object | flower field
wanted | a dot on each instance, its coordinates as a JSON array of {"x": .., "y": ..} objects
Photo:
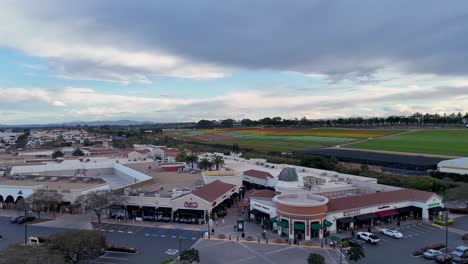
[{"x": 281, "y": 139}]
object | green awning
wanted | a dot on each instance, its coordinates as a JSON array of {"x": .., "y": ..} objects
[
  {"x": 316, "y": 226},
  {"x": 284, "y": 224},
  {"x": 274, "y": 219},
  {"x": 335, "y": 238},
  {"x": 327, "y": 223},
  {"x": 299, "y": 226}
]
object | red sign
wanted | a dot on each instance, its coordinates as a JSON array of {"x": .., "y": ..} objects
[{"x": 191, "y": 204}]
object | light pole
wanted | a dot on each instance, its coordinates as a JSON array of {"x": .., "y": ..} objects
[
  {"x": 25, "y": 227},
  {"x": 446, "y": 223}
]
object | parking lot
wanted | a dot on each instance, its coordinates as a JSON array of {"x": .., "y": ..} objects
[
  {"x": 154, "y": 244},
  {"x": 391, "y": 250}
]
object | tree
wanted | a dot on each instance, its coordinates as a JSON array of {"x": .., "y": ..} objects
[
  {"x": 30, "y": 255},
  {"x": 192, "y": 158},
  {"x": 78, "y": 153},
  {"x": 315, "y": 259},
  {"x": 181, "y": 156},
  {"x": 78, "y": 245},
  {"x": 190, "y": 255},
  {"x": 356, "y": 253},
  {"x": 228, "y": 122},
  {"x": 217, "y": 161},
  {"x": 204, "y": 164},
  {"x": 57, "y": 154},
  {"x": 87, "y": 142},
  {"x": 42, "y": 199},
  {"x": 98, "y": 201},
  {"x": 205, "y": 123}
]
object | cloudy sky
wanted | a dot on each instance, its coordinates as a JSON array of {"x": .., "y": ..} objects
[{"x": 175, "y": 60}]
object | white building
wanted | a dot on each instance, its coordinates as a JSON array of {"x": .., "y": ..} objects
[{"x": 458, "y": 166}]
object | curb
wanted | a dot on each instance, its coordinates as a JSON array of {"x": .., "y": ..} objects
[{"x": 269, "y": 243}]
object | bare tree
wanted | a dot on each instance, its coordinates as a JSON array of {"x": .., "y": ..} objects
[
  {"x": 42, "y": 199},
  {"x": 98, "y": 201},
  {"x": 30, "y": 255}
]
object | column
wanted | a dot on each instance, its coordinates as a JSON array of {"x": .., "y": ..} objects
[
  {"x": 307, "y": 230},
  {"x": 291, "y": 228},
  {"x": 425, "y": 214}
]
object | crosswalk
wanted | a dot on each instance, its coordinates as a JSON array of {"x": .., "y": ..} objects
[{"x": 151, "y": 232}]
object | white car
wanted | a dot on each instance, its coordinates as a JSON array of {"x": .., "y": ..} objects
[
  {"x": 432, "y": 253},
  {"x": 369, "y": 237},
  {"x": 392, "y": 233}
]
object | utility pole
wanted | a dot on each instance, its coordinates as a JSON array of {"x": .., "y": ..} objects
[{"x": 446, "y": 222}]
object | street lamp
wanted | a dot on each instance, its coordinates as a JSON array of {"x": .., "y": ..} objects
[{"x": 25, "y": 227}]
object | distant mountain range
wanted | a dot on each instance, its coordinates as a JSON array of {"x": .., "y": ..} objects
[{"x": 83, "y": 123}]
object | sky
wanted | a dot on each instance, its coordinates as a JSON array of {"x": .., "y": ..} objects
[{"x": 171, "y": 61}]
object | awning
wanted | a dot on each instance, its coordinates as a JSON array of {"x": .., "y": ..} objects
[
  {"x": 245, "y": 202},
  {"x": 408, "y": 209},
  {"x": 164, "y": 209},
  {"x": 386, "y": 213},
  {"x": 365, "y": 217},
  {"x": 255, "y": 212},
  {"x": 327, "y": 223},
  {"x": 190, "y": 212},
  {"x": 299, "y": 226},
  {"x": 274, "y": 219},
  {"x": 345, "y": 220},
  {"x": 436, "y": 209},
  {"x": 148, "y": 208},
  {"x": 316, "y": 226},
  {"x": 284, "y": 224},
  {"x": 133, "y": 207},
  {"x": 335, "y": 238}
]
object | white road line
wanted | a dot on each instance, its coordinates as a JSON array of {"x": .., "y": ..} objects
[{"x": 141, "y": 228}]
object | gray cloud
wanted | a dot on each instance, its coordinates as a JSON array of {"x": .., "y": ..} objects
[{"x": 342, "y": 39}]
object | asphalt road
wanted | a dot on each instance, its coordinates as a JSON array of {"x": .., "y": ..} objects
[
  {"x": 154, "y": 244},
  {"x": 391, "y": 250}
]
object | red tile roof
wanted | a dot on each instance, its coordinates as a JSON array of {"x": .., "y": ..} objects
[
  {"x": 263, "y": 193},
  {"x": 258, "y": 174},
  {"x": 213, "y": 190},
  {"x": 346, "y": 203}
]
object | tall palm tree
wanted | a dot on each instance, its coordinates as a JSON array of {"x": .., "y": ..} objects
[
  {"x": 192, "y": 158},
  {"x": 204, "y": 164},
  {"x": 217, "y": 161}
]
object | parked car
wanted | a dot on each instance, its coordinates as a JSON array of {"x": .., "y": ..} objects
[
  {"x": 432, "y": 253},
  {"x": 369, "y": 237},
  {"x": 392, "y": 233},
  {"x": 26, "y": 219},
  {"x": 460, "y": 255},
  {"x": 15, "y": 219},
  {"x": 353, "y": 242},
  {"x": 444, "y": 258}
]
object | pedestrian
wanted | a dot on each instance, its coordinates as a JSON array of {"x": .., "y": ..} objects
[
  {"x": 334, "y": 245},
  {"x": 222, "y": 221}
]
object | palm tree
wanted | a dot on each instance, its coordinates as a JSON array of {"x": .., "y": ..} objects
[
  {"x": 192, "y": 158},
  {"x": 356, "y": 253},
  {"x": 218, "y": 160},
  {"x": 204, "y": 164}
]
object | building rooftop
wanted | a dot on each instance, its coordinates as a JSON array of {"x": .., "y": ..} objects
[
  {"x": 213, "y": 190},
  {"x": 288, "y": 175},
  {"x": 60, "y": 184},
  {"x": 366, "y": 200},
  {"x": 258, "y": 174},
  {"x": 461, "y": 163}
]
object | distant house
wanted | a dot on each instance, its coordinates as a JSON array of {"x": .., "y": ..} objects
[
  {"x": 138, "y": 154},
  {"x": 165, "y": 153}
]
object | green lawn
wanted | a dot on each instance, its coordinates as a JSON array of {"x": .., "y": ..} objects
[
  {"x": 443, "y": 142},
  {"x": 284, "y": 143}
]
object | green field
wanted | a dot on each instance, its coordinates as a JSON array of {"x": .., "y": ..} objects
[
  {"x": 285, "y": 143},
  {"x": 439, "y": 142}
]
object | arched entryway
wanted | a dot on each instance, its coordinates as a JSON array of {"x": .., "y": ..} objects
[
  {"x": 1, "y": 198},
  {"x": 9, "y": 199},
  {"x": 19, "y": 198}
]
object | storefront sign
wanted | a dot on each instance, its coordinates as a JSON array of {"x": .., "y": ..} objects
[
  {"x": 191, "y": 204},
  {"x": 264, "y": 208},
  {"x": 433, "y": 205},
  {"x": 352, "y": 213}
]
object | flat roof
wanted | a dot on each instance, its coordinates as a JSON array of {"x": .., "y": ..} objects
[
  {"x": 61, "y": 184},
  {"x": 300, "y": 199}
]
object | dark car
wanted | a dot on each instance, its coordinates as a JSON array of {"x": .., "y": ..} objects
[
  {"x": 15, "y": 219},
  {"x": 353, "y": 242},
  {"x": 26, "y": 219}
]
